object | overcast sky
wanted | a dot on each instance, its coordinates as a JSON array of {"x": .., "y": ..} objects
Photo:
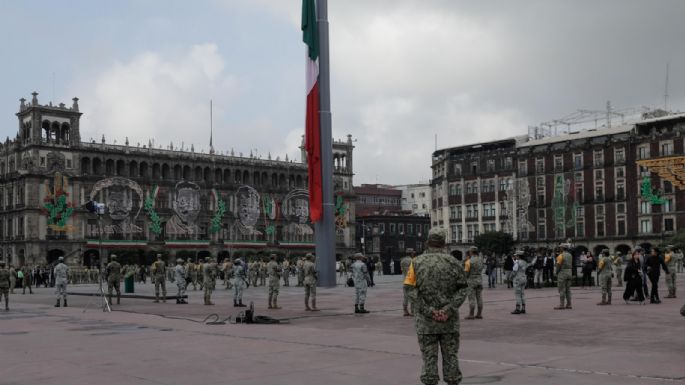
[{"x": 403, "y": 71}]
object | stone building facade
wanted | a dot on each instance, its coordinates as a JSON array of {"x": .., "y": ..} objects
[
  {"x": 166, "y": 200},
  {"x": 584, "y": 185}
]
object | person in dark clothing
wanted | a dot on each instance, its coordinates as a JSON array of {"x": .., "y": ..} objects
[
  {"x": 632, "y": 275},
  {"x": 548, "y": 272},
  {"x": 371, "y": 266},
  {"x": 653, "y": 265},
  {"x": 508, "y": 269},
  {"x": 491, "y": 270},
  {"x": 588, "y": 268}
]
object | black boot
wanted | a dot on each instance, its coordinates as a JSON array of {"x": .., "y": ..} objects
[
  {"x": 356, "y": 309},
  {"x": 65, "y": 302},
  {"x": 362, "y": 310},
  {"x": 517, "y": 311},
  {"x": 240, "y": 304},
  {"x": 57, "y": 304},
  {"x": 523, "y": 309},
  {"x": 235, "y": 303}
]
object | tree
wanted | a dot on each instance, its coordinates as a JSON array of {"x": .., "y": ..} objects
[
  {"x": 677, "y": 240},
  {"x": 496, "y": 242}
]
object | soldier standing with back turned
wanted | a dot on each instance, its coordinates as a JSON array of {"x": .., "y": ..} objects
[
  {"x": 404, "y": 265},
  {"x": 519, "y": 280},
  {"x": 362, "y": 280},
  {"x": 180, "y": 275},
  {"x": 4, "y": 284},
  {"x": 473, "y": 267},
  {"x": 563, "y": 272},
  {"x": 439, "y": 288},
  {"x": 61, "y": 272},
  {"x": 671, "y": 259},
  {"x": 209, "y": 273},
  {"x": 617, "y": 266},
  {"x": 159, "y": 276},
  {"x": 113, "y": 277},
  {"x": 309, "y": 282},
  {"x": 274, "y": 271},
  {"x": 605, "y": 275}
]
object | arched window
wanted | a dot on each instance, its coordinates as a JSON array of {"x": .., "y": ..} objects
[
  {"x": 143, "y": 170},
  {"x": 166, "y": 174},
  {"x": 265, "y": 179},
  {"x": 133, "y": 169},
  {"x": 85, "y": 166},
  {"x": 156, "y": 171},
  {"x": 274, "y": 180},
  {"x": 207, "y": 175},
  {"x": 54, "y": 132},
  {"x": 217, "y": 176},
  {"x": 97, "y": 166},
  {"x": 109, "y": 167},
  {"x": 186, "y": 172},
  {"x": 227, "y": 176},
  {"x": 64, "y": 133},
  {"x": 198, "y": 173},
  {"x": 121, "y": 168},
  {"x": 246, "y": 177},
  {"x": 298, "y": 181},
  {"x": 237, "y": 175},
  {"x": 45, "y": 131},
  {"x": 178, "y": 172},
  {"x": 255, "y": 178}
]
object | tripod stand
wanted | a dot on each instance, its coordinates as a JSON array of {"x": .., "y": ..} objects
[{"x": 105, "y": 303}]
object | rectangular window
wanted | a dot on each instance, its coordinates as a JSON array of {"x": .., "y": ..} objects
[
  {"x": 410, "y": 229},
  {"x": 392, "y": 229},
  {"x": 620, "y": 172},
  {"x": 540, "y": 181},
  {"x": 599, "y": 174},
  {"x": 645, "y": 207},
  {"x": 599, "y": 193},
  {"x": 460, "y": 234},
  {"x": 474, "y": 168},
  {"x": 558, "y": 163},
  {"x": 469, "y": 211},
  {"x": 507, "y": 163},
  {"x": 668, "y": 187},
  {"x": 457, "y": 189},
  {"x": 578, "y": 161},
  {"x": 541, "y": 213},
  {"x": 668, "y": 205},
  {"x": 643, "y": 152},
  {"x": 541, "y": 198},
  {"x": 645, "y": 226},
  {"x": 598, "y": 158},
  {"x": 599, "y": 225},
  {"x": 580, "y": 229},
  {"x": 541, "y": 230},
  {"x": 578, "y": 176},
  {"x": 599, "y": 210},
  {"x": 579, "y": 192},
  {"x": 619, "y": 155},
  {"x": 620, "y": 191},
  {"x": 475, "y": 211},
  {"x": 620, "y": 208},
  {"x": 580, "y": 211},
  {"x": 491, "y": 165},
  {"x": 540, "y": 166},
  {"x": 400, "y": 228},
  {"x": 523, "y": 168},
  {"x": 621, "y": 226},
  {"x": 381, "y": 228},
  {"x": 666, "y": 148},
  {"x": 457, "y": 169},
  {"x": 669, "y": 224}
]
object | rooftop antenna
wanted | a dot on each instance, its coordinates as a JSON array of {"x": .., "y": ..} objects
[{"x": 666, "y": 89}]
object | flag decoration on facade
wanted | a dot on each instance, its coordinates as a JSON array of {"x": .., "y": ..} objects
[{"x": 310, "y": 36}]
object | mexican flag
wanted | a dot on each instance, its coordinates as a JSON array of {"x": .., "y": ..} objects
[{"x": 312, "y": 143}]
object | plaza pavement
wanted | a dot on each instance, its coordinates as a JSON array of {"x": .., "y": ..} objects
[{"x": 141, "y": 342}]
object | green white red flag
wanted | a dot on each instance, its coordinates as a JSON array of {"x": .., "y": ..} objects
[{"x": 312, "y": 143}]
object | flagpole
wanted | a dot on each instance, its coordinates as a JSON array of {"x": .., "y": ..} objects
[{"x": 324, "y": 230}]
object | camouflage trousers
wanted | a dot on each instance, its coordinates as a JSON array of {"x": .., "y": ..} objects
[
  {"x": 181, "y": 290},
  {"x": 273, "y": 290},
  {"x": 160, "y": 281},
  {"x": 475, "y": 295},
  {"x": 619, "y": 277},
  {"x": 449, "y": 347},
  {"x": 670, "y": 282},
  {"x": 4, "y": 292},
  {"x": 564, "y": 284},
  {"x": 309, "y": 291},
  {"x": 605, "y": 284},
  {"x": 519, "y": 287},
  {"x": 238, "y": 287},
  {"x": 61, "y": 290},
  {"x": 360, "y": 294},
  {"x": 406, "y": 302}
]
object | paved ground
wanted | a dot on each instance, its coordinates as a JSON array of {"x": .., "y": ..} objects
[{"x": 146, "y": 343}]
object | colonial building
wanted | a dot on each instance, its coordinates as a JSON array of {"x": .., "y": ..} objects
[
  {"x": 377, "y": 199},
  {"x": 416, "y": 198},
  {"x": 586, "y": 185},
  {"x": 156, "y": 199}
]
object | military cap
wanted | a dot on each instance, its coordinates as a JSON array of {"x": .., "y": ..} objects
[
  {"x": 409, "y": 250},
  {"x": 437, "y": 235},
  {"x": 473, "y": 248},
  {"x": 60, "y": 259},
  {"x": 669, "y": 247},
  {"x": 273, "y": 256},
  {"x": 159, "y": 256},
  {"x": 605, "y": 251},
  {"x": 179, "y": 260},
  {"x": 358, "y": 256},
  {"x": 618, "y": 252},
  {"x": 309, "y": 256},
  {"x": 113, "y": 257},
  {"x": 519, "y": 253},
  {"x": 565, "y": 245}
]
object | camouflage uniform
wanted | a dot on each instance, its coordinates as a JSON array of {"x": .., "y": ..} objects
[
  {"x": 13, "y": 279},
  {"x": 5, "y": 284},
  {"x": 473, "y": 267},
  {"x": 239, "y": 283},
  {"x": 404, "y": 265},
  {"x": 192, "y": 270},
  {"x": 113, "y": 272},
  {"x": 563, "y": 271},
  {"x": 274, "y": 271},
  {"x": 159, "y": 276},
  {"x": 228, "y": 269},
  {"x": 671, "y": 259},
  {"x": 26, "y": 281},
  {"x": 519, "y": 280},
  {"x": 617, "y": 262},
  {"x": 286, "y": 273},
  {"x": 209, "y": 279},
  {"x": 61, "y": 272},
  {"x": 253, "y": 273},
  {"x": 309, "y": 282},
  {"x": 262, "y": 273},
  {"x": 300, "y": 273},
  {"x": 180, "y": 274},
  {"x": 440, "y": 288},
  {"x": 360, "y": 275},
  {"x": 604, "y": 273}
]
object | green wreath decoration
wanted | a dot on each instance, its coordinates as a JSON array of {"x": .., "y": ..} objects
[
  {"x": 218, "y": 216},
  {"x": 155, "y": 221}
]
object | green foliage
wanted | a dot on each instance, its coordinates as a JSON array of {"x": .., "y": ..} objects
[
  {"x": 218, "y": 216},
  {"x": 649, "y": 194},
  {"x": 496, "y": 242},
  {"x": 155, "y": 221},
  {"x": 59, "y": 210}
]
